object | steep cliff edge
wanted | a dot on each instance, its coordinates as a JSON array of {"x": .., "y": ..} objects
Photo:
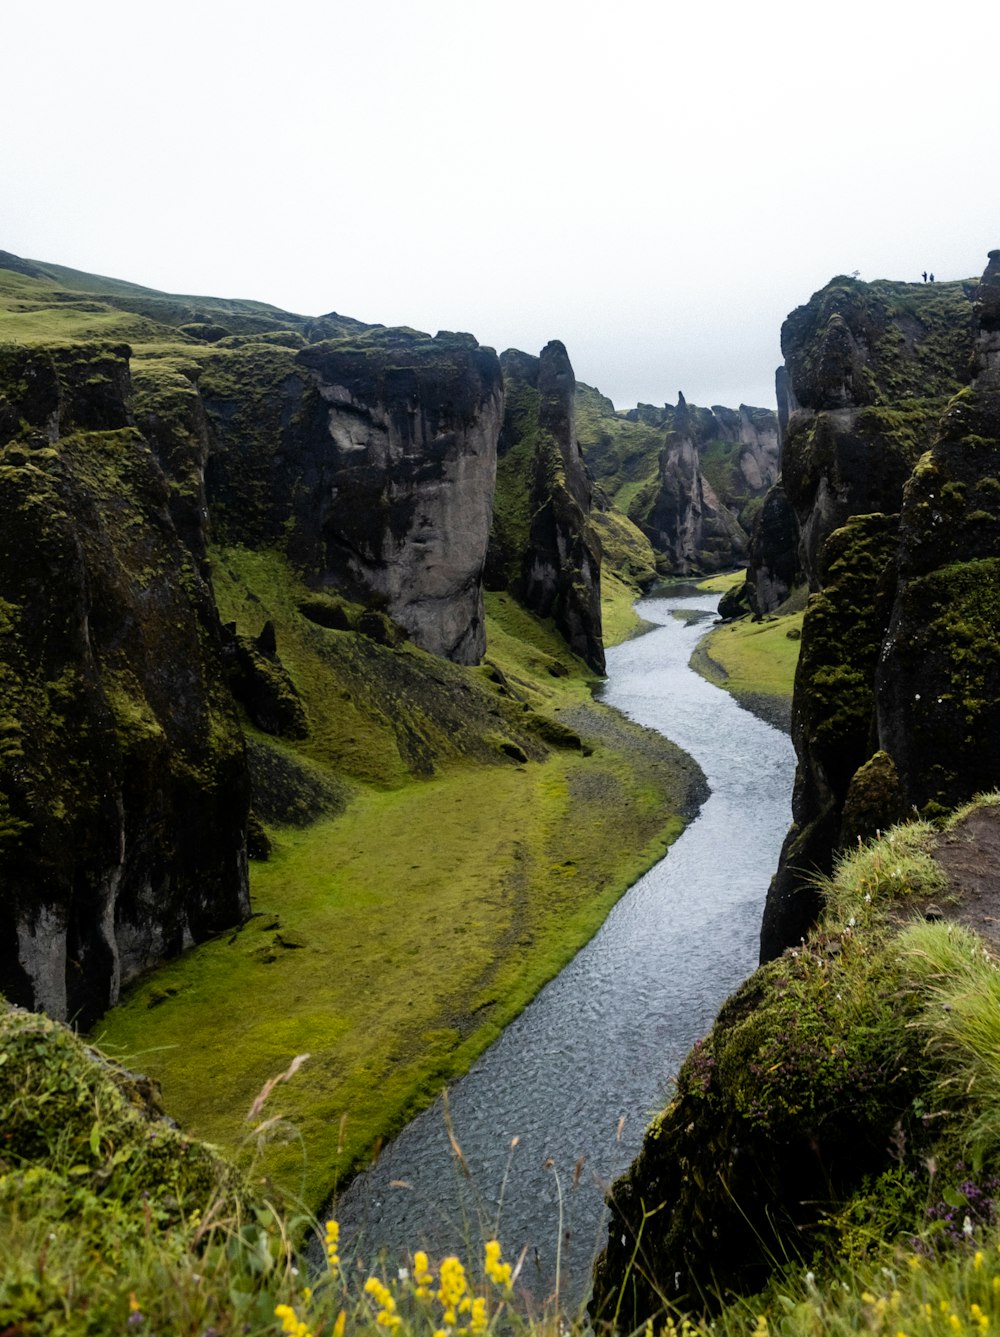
[
  {"x": 372, "y": 460},
  {"x": 544, "y": 545},
  {"x": 124, "y": 782},
  {"x": 893, "y": 705}
]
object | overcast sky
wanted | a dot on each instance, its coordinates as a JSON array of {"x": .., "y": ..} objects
[{"x": 657, "y": 185}]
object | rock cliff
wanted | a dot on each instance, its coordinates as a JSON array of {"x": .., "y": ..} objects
[
  {"x": 124, "y": 789},
  {"x": 545, "y": 546},
  {"x": 692, "y": 479},
  {"x": 891, "y": 473},
  {"x": 373, "y": 461}
]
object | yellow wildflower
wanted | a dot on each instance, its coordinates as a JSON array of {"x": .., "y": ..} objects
[
  {"x": 341, "y": 1323},
  {"x": 977, "y": 1262},
  {"x": 422, "y": 1275},
  {"x": 452, "y": 1287},
  {"x": 383, "y": 1297},
  {"x": 761, "y": 1328},
  {"x": 291, "y": 1324},
  {"x": 331, "y": 1243},
  {"x": 477, "y": 1323},
  {"x": 498, "y": 1273}
]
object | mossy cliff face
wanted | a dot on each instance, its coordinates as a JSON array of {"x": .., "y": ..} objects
[
  {"x": 373, "y": 460},
  {"x": 868, "y": 370},
  {"x": 833, "y": 713},
  {"x": 938, "y": 683},
  {"x": 544, "y": 546},
  {"x": 899, "y": 649},
  {"x": 123, "y": 789},
  {"x": 684, "y": 517},
  {"x": 773, "y": 555},
  {"x": 690, "y": 478}
]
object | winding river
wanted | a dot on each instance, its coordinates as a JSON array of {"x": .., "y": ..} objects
[{"x": 556, "y": 1108}]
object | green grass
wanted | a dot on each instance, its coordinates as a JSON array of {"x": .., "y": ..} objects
[
  {"x": 619, "y": 619},
  {"x": 728, "y": 580},
  {"x": 757, "y": 656}
]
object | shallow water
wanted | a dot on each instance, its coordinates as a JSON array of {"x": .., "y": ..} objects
[{"x": 576, "y": 1077}]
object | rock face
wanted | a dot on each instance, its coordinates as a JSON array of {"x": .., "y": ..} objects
[
  {"x": 868, "y": 370},
  {"x": 544, "y": 545},
  {"x": 895, "y": 696},
  {"x": 123, "y": 787},
  {"x": 701, "y": 475},
  {"x": 374, "y": 460},
  {"x": 685, "y": 519},
  {"x": 773, "y": 557}
]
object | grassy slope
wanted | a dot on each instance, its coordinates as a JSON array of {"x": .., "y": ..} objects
[{"x": 753, "y": 660}]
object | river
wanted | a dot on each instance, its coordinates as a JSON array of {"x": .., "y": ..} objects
[{"x": 556, "y": 1108}]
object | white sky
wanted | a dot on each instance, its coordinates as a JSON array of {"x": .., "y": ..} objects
[{"x": 657, "y": 185}]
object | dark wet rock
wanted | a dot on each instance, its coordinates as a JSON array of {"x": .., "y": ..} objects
[
  {"x": 896, "y": 694},
  {"x": 773, "y": 568},
  {"x": 123, "y": 782},
  {"x": 544, "y": 546}
]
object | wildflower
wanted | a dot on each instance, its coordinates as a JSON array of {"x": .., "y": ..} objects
[
  {"x": 422, "y": 1275},
  {"x": 331, "y": 1244},
  {"x": 498, "y": 1273},
  {"x": 451, "y": 1291},
  {"x": 761, "y": 1328},
  {"x": 977, "y": 1261},
  {"x": 386, "y": 1317},
  {"x": 291, "y": 1324},
  {"x": 477, "y": 1319},
  {"x": 341, "y": 1323}
]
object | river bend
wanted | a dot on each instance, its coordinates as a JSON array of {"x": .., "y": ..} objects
[{"x": 576, "y": 1077}]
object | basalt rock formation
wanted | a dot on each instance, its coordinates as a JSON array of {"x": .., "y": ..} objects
[
  {"x": 124, "y": 790},
  {"x": 893, "y": 476},
  {"x": 692, "y": 479},
  {"x": 544, "y": 545},
  {"x": 373, "y": 459}
]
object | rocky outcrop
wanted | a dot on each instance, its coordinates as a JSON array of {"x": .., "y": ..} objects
[
  {"x": 895, "y": 700},
  {"x": 373, "y": 461},
  {"x": 833, "y": 714},
  {"x": 869, "y": 368},
  {"x": 544, "y": 545},
  {"x": 773, "y": 568},
  {"x": 701, "y": 474},
  {"x": 938, "y": 681},
  {"x": 123, "y": 783},
  {"x": 685, "y": 519}
]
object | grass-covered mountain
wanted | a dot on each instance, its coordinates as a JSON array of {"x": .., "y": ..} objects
[{"x": 257, "y": 696}]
